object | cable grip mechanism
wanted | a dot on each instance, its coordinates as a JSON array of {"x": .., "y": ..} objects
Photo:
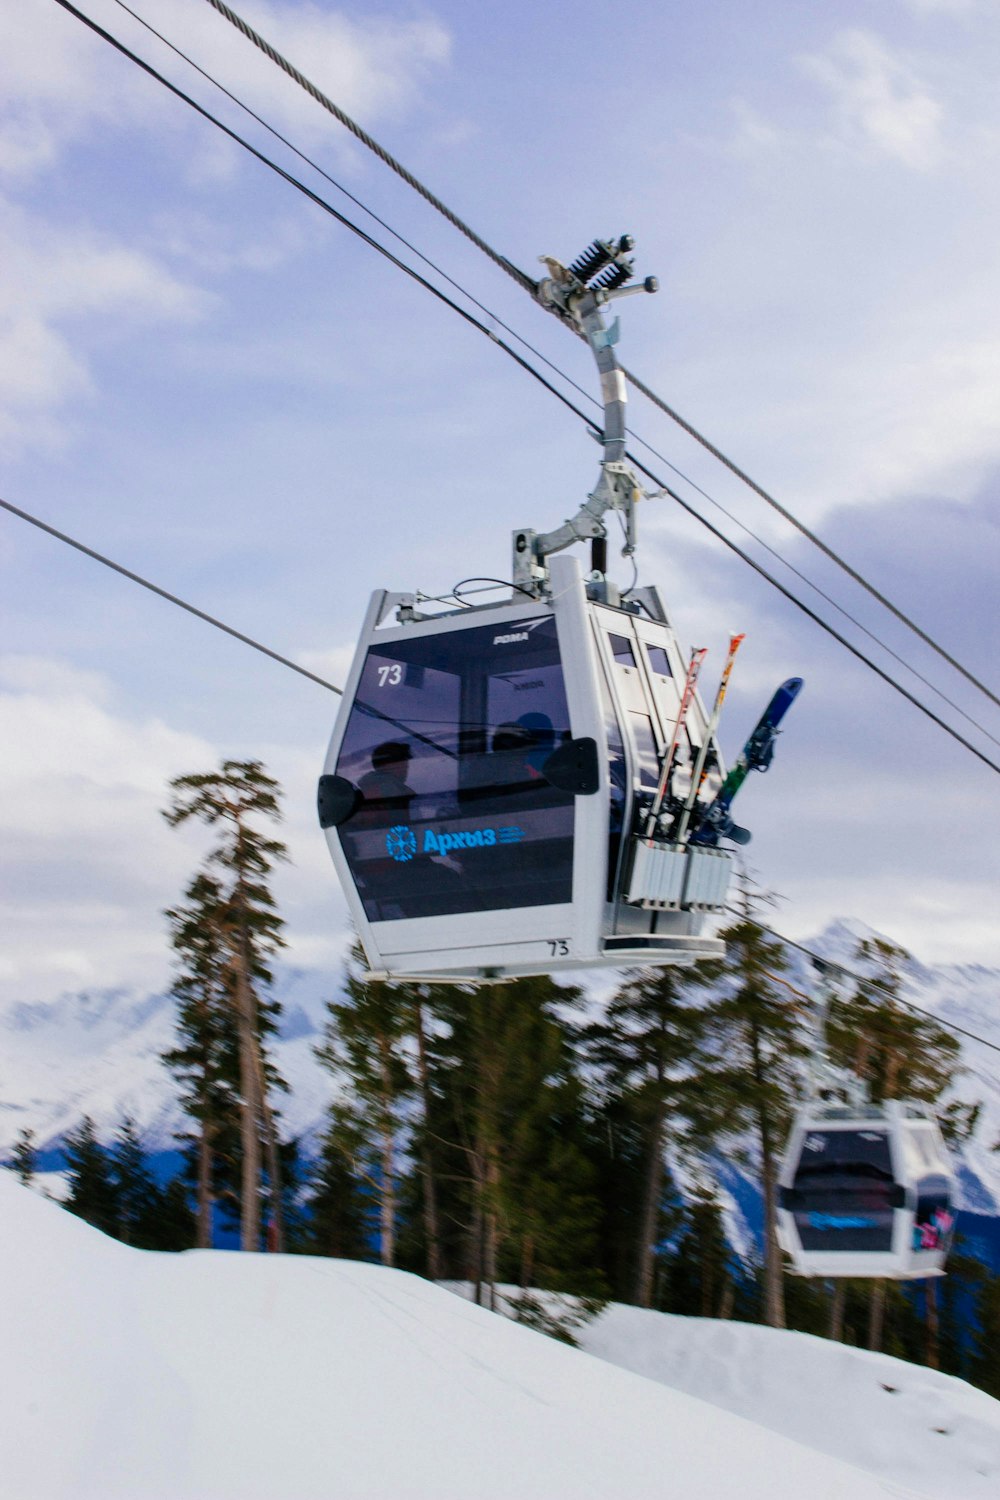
[{"x": 577, "y": 294}]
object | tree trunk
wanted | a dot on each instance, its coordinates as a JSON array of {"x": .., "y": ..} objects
[
  {"x": 650, "y": 1213},
  {"x": 387, "y": 1193},
  {"x": 476, "y": 1246},
  {"x": 836, "y": 1330},
  {"x": 876, "y": 1316},
  {"x": 203, "y": 1223},
  {"x": 250, "y": 1111},
  {"x": 774, "y": 1290},
  {"x": 276, "y": 1227},
  {"x": 387, "y": 1203},
  {"x": 491, "y": 1230},
  {"x": 727, "y": 1299},
  {"x": 432, "y": 1231},
  {"x": 527, "y": 1261},
  {"x": 932, "y": 1347}
]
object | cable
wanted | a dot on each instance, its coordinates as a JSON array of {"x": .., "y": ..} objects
[
  {"x": 817, "y": 619},
  {"x": 873, "y": 984},
  {"x": 324, "y": 205},
  {"x": 833, "y": 603},
  {"x": 498, "y": 583},
  {"x": 809, "y": 535},
  {"x": 440, "y": 271},
  {"x": 522, "y": 280},
  {"x": 474, "y": 322},
  {"x": 527, "y": 284},
  {"x": 154, "y": 588}
]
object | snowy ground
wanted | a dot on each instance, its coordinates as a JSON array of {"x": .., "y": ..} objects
[
  {"x": 930, "y": 1432},
  {"x": 126, "y": 1375}
]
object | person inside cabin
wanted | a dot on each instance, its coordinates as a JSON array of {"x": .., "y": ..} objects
[
  {"x": 541, "y": 743},
  {"x": 385, "y": 787}
]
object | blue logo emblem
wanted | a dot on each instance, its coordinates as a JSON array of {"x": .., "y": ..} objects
[{"x": 401, "y": 843}]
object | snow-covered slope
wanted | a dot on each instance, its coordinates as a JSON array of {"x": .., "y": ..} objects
[
  {"x": 905, "y": 1422},
  {"x": 126, "y": 1375}
]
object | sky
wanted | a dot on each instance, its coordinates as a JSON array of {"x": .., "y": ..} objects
[{"x": 205, "y": 377}]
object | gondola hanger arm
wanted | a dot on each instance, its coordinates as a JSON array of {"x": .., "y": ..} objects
[{"x": 578, "y": 294}]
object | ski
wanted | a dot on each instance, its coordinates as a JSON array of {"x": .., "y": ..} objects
[
  {"x": 698, "y": 655},
  {"x": 700, "y": 769},
  {"x": 758, "y": 752}
]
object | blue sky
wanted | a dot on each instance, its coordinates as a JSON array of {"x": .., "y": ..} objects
[{"x": 206, "y": 378}]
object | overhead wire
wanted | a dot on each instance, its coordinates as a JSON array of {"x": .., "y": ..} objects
[
  {"x": 874, "y": 984},
  {"x": 154, "y": 588},
  {"x": 538, "y": 354},
  {"x": 522, "y": 362},
  {"x": 528, "y": 284},
  {"x": 322, "y": 682},
  {"x": 285, "y": 661}
]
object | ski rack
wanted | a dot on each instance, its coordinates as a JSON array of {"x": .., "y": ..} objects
[{"x": 578, "y": 294}]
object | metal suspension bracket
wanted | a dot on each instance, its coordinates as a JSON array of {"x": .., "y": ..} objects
[
  {"x": 578, "y": 294},
  {"x": 827, "y": 1082}
]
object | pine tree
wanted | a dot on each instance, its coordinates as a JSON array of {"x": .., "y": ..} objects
[
  {"x": 696, "y": 1273},
  {"x": 518, "y": 1197},
  {"x": 206, "y": 1058},
  {"x": 366, "y": 1043},
  {"x": 762, "y": 1038},
  {"x": 137, "y": 1196},
  {"x": 898, "y": 1053},
  {"x": 231, "y": 799},
  {"x": 23, "y": 1158},
  {"x": 651, "y": 1056},
  {"x": 338, "y": 1221},
  {"x": 93, "y": 1192}
]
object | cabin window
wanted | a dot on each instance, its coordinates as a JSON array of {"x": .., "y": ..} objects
[
  {"x": 446, "y": 744},
  {"x": 621, "y": 650},
  {"x": 659, "y": 660},
  {"x": 843, "y": 1193}
]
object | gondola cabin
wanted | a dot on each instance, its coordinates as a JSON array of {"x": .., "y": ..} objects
[
  {"x": 486, "y": 782},
  {"x": 866, "y": 1192}
]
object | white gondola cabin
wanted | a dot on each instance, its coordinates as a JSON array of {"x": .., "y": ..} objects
[
  {"x": 487, "y": 778},
  {"x": 866, "y": 1191},
  {"x": 518, "y": 788}
]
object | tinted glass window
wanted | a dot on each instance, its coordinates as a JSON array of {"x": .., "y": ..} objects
[
  {"x": 621, "y": 650},
  {"x": 844, "y": 1192},
  {"x": 446, "y": 744},
  {"x": 659, "y": 660},
  {"x": 647, "y": 760}
]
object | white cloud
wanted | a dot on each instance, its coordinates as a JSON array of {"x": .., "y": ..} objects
[
  {"x": 62, "y": 88},
  {"x": 59, "y": 82},
  {"x": 940, "y": 7},
  {"x": 878, "y": 100},
  {"x": 56, "y": 277},
  {"x": 88, "y": 861}
]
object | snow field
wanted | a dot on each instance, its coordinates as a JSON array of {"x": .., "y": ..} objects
[{"x": 127, "y": 1375}]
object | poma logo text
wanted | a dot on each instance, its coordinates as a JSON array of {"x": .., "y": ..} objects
[{"x": 506, "y": 640}]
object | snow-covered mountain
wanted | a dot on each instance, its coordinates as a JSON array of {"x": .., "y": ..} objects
[
  {"x": 211, "y": 1376},
  {"x": 98, "y": 1053}
]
